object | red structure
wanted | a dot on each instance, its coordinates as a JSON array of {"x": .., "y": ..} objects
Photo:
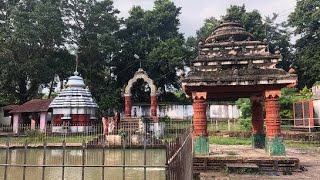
[
  {"x": 304, "y": 115},
  {"x": 128, "y": 106},
  {"x": 272, "y": 113},
  {"x": 153, "y": 107},
  {"x": 200, "y": 115},
  {"x": 231, "y": 64}
]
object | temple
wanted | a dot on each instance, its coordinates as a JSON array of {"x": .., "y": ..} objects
[
  {"x": 74, "y": 107},
  {"x": 230, "y": 64}
]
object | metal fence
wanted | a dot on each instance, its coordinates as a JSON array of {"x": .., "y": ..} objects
[
  {"x": 132, "y": 133},
  {"x": 132, "y": 150},
  {"x": 102, "y": 169},
  {"x": 180, "y": 157}
]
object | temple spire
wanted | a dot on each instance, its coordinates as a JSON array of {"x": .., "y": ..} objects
[{"x": 77, "y": 61}]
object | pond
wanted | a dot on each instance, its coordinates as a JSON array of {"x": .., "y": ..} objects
[{"x": 92, "y": 157}]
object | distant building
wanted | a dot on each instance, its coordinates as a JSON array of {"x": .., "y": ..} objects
[
  {"x": 5, "y": 116},
  {"x": 33, "y": 112}
]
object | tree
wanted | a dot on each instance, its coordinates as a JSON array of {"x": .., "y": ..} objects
[
  {"x": 210, "y": 24},
  {"x": 93, "y": 25},
  {"x": 305, "y": 21},
  {"x": 154, "y": 36},
  {"x": 30, "y": 32}
]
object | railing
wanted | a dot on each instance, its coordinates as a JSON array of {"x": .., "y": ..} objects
[
  {"x": 132, "y": 133},
  {"x": 59, "y": 166},
  {"x": 112, "y": 155},
  {"x": 180, "y": 157}
]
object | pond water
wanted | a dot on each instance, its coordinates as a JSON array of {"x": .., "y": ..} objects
[{"x": 92, "y": 157}]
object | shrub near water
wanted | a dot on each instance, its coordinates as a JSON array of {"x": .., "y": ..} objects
[{"x": 34, "y": 135}]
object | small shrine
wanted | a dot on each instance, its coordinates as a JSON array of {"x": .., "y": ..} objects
[
  {"x": 73, "y": 108},
  {"x": 231, "y": 64},
  {"x": 156, "y": 127},
  {"x": 141, "y": 74}
]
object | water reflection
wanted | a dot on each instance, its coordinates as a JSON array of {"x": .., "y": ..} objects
[{"x": 92, "y": 157}]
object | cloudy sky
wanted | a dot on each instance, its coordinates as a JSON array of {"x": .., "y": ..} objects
[{"x": 194, "y": 12}]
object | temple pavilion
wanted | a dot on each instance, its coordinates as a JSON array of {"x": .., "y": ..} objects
[
  {"x": 231, "y": 64},
  {"x": 73, "y": 108}
]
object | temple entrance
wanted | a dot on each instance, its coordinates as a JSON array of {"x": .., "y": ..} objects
[
  {"x": 232, "y": 65},
  {"x": 141, "y": 74}
]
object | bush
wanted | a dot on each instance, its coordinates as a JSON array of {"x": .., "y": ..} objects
[
  {"x": 34, "y": 135},
  {"x": 245, "y": 124}
]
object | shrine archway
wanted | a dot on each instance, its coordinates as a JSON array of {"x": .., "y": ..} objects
[{"x": 141, "y": 74}]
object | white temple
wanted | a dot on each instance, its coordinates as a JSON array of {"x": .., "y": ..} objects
[{"x": 74, "y": 107}]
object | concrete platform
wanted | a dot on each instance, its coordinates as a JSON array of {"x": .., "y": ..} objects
[{"x": 222, "y": 155}]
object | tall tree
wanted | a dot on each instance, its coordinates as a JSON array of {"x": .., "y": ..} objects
[
  {"x": 31, "y": 30},
  {"x": 305, "y": 21},
  {"x": 93, "y": 25},
  {"x": 154, "y": 36}
]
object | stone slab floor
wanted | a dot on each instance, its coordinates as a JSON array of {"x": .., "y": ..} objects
[{"x": 309, "y": 159}]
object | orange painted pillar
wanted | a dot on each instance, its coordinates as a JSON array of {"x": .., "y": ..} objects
[
  {"x": 272, "y": 113},
  {"x": 200, "y": 133},
  {"x": 258, "y": 136},
  {"x": 153, "y": 108},
  {"x": 274, "y": 144},
  {"x": 128, "y": 105},
  {"x": 200, "y": 117}
]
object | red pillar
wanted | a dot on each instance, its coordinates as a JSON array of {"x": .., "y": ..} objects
[
  {"x": 258, "y": 136},
  {"x": 272, "y": 113},
  {"x": 128, "y": 106},
  {"x": 274, "y": 141},
  {"x": 257, "y": 115},
  {"x": 199, "y": 115},
  {"x": 153, "y": 108}
]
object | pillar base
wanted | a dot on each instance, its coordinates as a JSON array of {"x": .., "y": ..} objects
[
  {"x": 275, "y": 146},
  {"x": 201, "y": 146},
  {"x": 258, "y": 141}
]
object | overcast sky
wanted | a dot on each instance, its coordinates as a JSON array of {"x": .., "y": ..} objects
[{"x": 194, "y": 12}]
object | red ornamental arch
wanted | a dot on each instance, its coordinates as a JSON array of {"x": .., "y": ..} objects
[{"x": 141, "y": 74}]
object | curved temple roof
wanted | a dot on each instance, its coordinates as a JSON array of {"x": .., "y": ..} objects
[
  {"x": 229, "y": 31},
  {"x": 229, "y": 60},
  {"x": 75, "y": 95}
]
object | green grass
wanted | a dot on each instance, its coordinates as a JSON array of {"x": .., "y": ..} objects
[
  {"x": 48, "y": 139},
  {"x": 302, "y": 145},
  {"x": 229, "y": 140},
  {"x": 247, "y": 141}
]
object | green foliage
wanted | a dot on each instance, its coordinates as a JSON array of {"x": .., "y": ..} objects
[
  {"x": 305, "y": 21},
  {"x": 32, "y": 30},
  {"x": 93, "y": 25},
  {"x": 305, "y": 93},
  {"x": 153, "y": 35},
  {"x": 34, "y": 135},
  {"x": 210, "y": 24},
  {"x": 244, "y": 105},
  {"x": 288, "y": 97},
  {"x": 229, "y": 140},
  {"x": 245, "y": 124}
]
